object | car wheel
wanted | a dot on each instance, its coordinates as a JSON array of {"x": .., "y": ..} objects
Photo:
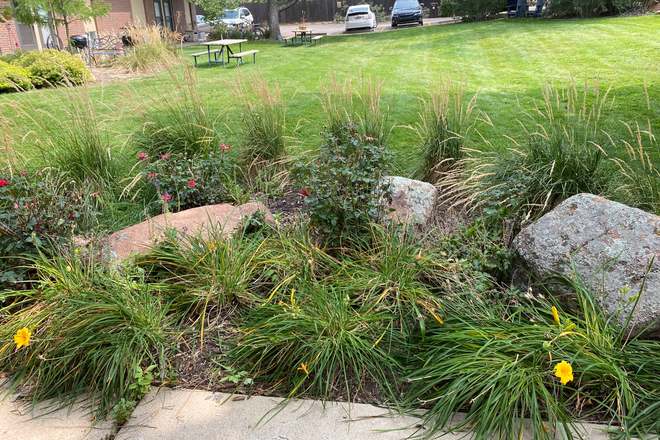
[
  {"x": 421, "y": 23},
  {"x": 393, "y": 24},
  {"x": 375, "y": 23}
]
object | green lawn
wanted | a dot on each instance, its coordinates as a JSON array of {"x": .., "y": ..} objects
[{"x": 507, "y": 60}]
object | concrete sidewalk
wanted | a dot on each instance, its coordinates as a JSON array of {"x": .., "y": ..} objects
[{"x": 182, "y": 414}]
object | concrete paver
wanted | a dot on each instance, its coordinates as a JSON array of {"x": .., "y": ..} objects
[
  {"x": 200, "y": 415},
  {"x": 17, "y": 422}
]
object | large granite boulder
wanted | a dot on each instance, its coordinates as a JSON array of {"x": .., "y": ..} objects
[
  {"x": 594, "y": 230},
  {"x": 412, "y": 201},
  {"x": 227, "y": 218}
]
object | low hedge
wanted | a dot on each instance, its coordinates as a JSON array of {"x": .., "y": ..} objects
[
  {"x": 13, "y": 78},
  {"x": 51, "y": 67}
]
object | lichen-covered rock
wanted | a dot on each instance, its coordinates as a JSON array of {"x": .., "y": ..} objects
[
  {"x": 412, "y": 201},
  {"x": 595, "y": 230},
  {"x": 226, "y": 218}
]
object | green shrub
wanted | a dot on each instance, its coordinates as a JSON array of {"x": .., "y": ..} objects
[
  {"x": 10, "y": 58},
  {"x": 472, "y": 10},
  {"x": 342, "y": 187},
  {"x": 188, "y": 181},
  {"x": 217, "y": 34},
  {"x": 594, "y": 8},
  {"x": 41, "y": 209},
  {"x": 51, "y": 67},
  {"x": 13, "y": 78}
]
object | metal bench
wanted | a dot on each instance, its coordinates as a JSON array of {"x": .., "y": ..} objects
[
  {"x": 240, "y": 55},
  {"x": 288, "y": 39},
  {"x": 317, "y": 38},
  {"x": 108, "y": 45},
  {"x": 199, "y": 54}
]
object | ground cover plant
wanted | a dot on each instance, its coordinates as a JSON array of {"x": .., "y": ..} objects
[{"x": 332, "y": 303}]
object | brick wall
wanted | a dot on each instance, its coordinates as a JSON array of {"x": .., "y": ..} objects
[
  {"x": 7, "y": 43},
  {"x": 178, "y": 14},
  {"x": 121, "y": 15},
  {"x": 75, "y": 28}
]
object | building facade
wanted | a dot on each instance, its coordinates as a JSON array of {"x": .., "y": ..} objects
[{"x": 176, "y": 15}]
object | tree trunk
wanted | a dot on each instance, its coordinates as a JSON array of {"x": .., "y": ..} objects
[{"x": 274, "y": 9}]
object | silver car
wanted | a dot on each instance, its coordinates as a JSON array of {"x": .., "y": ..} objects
[{"x": 234, "y": 18}]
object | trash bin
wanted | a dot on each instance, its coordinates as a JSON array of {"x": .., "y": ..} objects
[
  {"x": 192, "y": 36},
  {"x": 434, "y": 10}
]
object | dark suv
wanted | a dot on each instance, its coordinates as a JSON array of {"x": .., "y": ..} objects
[{"x": 407, "y": 11}]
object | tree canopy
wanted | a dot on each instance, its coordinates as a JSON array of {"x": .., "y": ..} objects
[{"x": 59, "y": 12}]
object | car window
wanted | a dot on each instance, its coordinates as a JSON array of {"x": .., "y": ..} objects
[
  {"x": 231, "y": 14},
  {"x": 355, "y": 9},
  {"x": 406, "y": 4}
]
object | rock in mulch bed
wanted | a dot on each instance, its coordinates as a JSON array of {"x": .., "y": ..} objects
[
  {"x": 592, "y": 231},
  {"x": 227, "y": 218}
]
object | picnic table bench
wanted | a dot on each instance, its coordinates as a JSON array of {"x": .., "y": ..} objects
[
  {"x": 317, "y": 39},
  {"x": 217, "y": 53},
  {"x": 288, "y": 40},
  {"x": 240, "y": 55}
]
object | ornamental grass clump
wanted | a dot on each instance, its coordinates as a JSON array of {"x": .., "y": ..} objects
[
  {"x": 153, "y": 49},
  {"x": 317, "y": 340},
  {"x": 348, "y": 103},
  {"x": 179, "y": 120},
  {"x": 70, "y": 133},
  {"x": 446, "y": 121},
  {"x": 211, "y": 268},
  {"x": 639, "y": 173},
  {"x": 262, "y": 123},
  {"x": 535, "y": 359},
  {"x": 562, "y": 153},
  {"x": 89, "y": 333}
]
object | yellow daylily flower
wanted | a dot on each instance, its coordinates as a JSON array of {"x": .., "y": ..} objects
[
  {"x": 22, "y": 338},
  {"x": 564, "y": 372}
]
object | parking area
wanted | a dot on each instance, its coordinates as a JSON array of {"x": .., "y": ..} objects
[{"x": 338, "y": 28}]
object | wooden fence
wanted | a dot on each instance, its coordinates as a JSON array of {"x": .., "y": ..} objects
[{"x": 315, "y": 10}]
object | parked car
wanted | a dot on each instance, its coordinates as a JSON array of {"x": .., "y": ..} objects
[
  {"x": 234, "y": 18},
  {"x": 407, "y": 11},
  {"x": 360, "y": 17},
  {"x": 202, "y": 25}
]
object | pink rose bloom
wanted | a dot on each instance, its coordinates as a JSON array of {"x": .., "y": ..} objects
[
  {"x": 166, "y": 197},
  {"x": 164, "y": 156},
  {"x": 191, "y": 183},
  {"x": 152, "y": 175},
  {"x": 23, "y": 173},
  {"x": 143, "y": 156}
]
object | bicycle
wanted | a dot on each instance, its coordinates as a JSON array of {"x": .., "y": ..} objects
[
  {"x": 256, "y": 29},
  {"x": 53, "y": 41}
]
